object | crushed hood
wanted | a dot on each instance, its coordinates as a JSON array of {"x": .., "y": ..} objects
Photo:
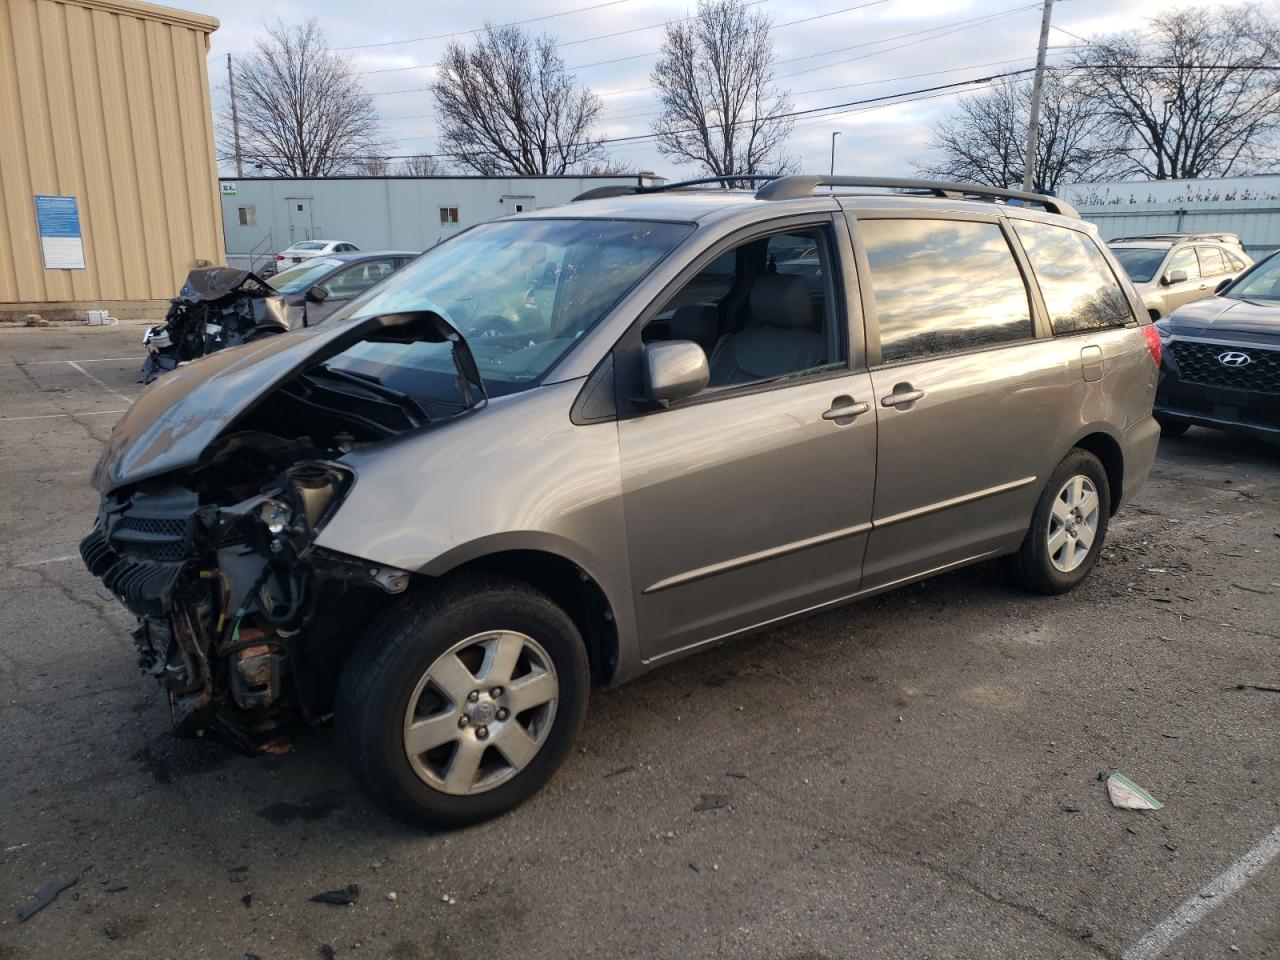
[
  {"x": 1216, "y": 316},
  {"x": 176, "y": 418}
]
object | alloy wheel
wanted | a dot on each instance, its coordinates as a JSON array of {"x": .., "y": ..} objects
[{"x": 1073, "y": 523}]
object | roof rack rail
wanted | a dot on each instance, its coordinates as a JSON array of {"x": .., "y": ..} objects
[
  {"x": 627, "y": 190},
  {"x": 1211, "y": 235},
  {"x": 793, "y": 188}
]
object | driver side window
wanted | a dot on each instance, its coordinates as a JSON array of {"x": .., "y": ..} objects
[
  {"x": 764, "y": 310},
  {"x": 1184, "y": 259}
]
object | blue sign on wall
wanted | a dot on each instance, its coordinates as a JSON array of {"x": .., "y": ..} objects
[{"x": 58, "y": 222}]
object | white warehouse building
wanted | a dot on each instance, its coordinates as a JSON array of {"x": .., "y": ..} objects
[{"x": 263, "y": 215}]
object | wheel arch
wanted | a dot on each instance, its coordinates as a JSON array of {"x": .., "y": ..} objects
[
  {"x": 570, "y": 586},
  {"x": 1106, "y": 448}
]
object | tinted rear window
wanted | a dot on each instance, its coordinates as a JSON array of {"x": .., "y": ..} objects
[
  {"x": 942, "y": 286},
  {"x": 1079, "y": 289}
]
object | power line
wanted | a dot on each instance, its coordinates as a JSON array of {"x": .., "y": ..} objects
[{"x": 464, "y": 33}]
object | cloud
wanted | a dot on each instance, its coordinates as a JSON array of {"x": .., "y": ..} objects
[{"x": 883, "y": 140}]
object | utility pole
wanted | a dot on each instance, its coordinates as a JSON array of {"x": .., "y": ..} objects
[
  {"x": 834, "y": 134},
  {"x": 1033, "y": 129},
  {"x": 235, "y": 117}
]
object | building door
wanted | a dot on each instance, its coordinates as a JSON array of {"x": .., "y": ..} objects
[{"x": 300, "y": 223}]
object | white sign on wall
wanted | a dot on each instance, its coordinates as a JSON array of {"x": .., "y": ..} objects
[{"x": 58, "y": 223}]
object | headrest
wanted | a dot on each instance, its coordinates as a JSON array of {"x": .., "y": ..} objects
[
  {"x": 781, "y": 300},
  {"x": 697, "y": 322}
]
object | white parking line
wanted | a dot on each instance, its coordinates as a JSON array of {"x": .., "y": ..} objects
[
  {"x": 32, "y": 363},
  {"x": 109, "y": 390},
  {"x": 1192, "y": 910},
  {"x": 41, "y": 563},
  {"x": 54, "y": 416}
]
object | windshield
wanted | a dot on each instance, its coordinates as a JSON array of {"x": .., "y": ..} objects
[
  {"x": 303, "y": 275},
  {"x": 521, "y": 292},
  {"x": 1140, "y": 263},
  {"x": 310, "y": 245},
  {"x": 1262, "y": 283}
]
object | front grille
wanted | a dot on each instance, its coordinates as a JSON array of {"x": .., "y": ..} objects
[
  {"x": 155, "y": 538},
  {"x": 1199, "y": 363}
]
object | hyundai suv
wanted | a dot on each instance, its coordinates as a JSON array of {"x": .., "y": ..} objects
[
  {"x": 737, "y": 407},
  {"x": 1221, "y": 364},
  {"x": 1171, "y": 269}
]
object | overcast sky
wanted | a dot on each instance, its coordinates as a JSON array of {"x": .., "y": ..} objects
[{"x": 835, "y": 56}]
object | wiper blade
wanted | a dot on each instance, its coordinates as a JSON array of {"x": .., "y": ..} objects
[{"x": 407, "y": 401}]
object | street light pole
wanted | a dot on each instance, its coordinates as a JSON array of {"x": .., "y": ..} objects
[
  {"x": 834, "y": 134},
  {"x": 1033, "y": 128}
]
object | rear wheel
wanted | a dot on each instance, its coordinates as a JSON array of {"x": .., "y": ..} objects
[
  {"x": 1172, "y": 426},
  {"x": 462, "y": 702},
  {"x": 1067, "y": 528}
]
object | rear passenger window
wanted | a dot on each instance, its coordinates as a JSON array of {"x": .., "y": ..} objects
[
  {"x": 1211, "y": 262},
  {"x": 943, "y": 286},
  {"x": 1079, "y": 289}
]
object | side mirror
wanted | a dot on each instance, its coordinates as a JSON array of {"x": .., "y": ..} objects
[
  {"x": 673, "y": 370},
  {"x": 1223, "y": 285},
  {"x": 317, "y": 294},
  {"x": 1177, "y": 275}
]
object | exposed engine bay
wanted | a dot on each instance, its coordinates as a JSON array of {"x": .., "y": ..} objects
[
  {"x": 218, "y": 307},
  {"x": 242, "y": 619}
]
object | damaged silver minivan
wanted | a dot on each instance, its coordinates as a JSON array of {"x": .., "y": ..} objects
[{"x": 565, "y": 447}]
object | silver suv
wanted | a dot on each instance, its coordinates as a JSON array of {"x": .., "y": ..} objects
[
  {"x": 449, "y": 509},
  {"x": 1170, "y": 269}
]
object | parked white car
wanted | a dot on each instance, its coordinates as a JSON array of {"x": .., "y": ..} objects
[{"x": 306, "y": 249}]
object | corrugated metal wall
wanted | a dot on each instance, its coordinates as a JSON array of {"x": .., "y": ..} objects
[{"x": 106, "y": 100}]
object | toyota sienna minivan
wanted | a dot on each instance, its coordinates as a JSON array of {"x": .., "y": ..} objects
[{"x": 446, "y": 512}]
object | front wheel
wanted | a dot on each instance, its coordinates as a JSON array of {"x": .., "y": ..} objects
[
  {"x": 1067, "y": 528},
  {"x": 462, "y": 702}
]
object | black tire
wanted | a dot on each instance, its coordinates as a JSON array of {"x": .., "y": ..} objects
[
  {"x": 1172, "y": 426},
  {"x": 381, "y": 674},
  {"x": 1032, "y": 567}
]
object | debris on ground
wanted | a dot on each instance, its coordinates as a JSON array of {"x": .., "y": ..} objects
[
  {"x": 327, "y": 952},
  {"x": 1127, "y": 795},
  {"x": 446, "y": 898},
  {"x": 247, "y": 900},
  {"x": 45, "y": 896},
  {"x": 711, "y": 801},
  {"x": 1260, "y": 687},
  {"x": 345, "y": 897},
  {"x": 392, "y": 896}
]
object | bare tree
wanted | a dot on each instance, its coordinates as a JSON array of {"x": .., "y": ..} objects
[
  {"x": 985, "y": 141},
  {"x": 508, "y": 105},
  {"x": 303, "y": 113},
  {"x": 1198, "y": 95},
  {"x": 423, "y": 165},
  {"x": 720, "y": 106}
]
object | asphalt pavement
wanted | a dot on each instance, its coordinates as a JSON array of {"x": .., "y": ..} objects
[{"x": 914, "y": 776}]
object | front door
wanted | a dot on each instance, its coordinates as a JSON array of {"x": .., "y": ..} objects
[
  {"x": 1184, "y": 291},
  {"x": 751, "y": 500},
  {"x": 300, "y": 224}
]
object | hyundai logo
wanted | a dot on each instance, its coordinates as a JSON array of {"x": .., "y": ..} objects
[{"x": 1234, "y": 358}]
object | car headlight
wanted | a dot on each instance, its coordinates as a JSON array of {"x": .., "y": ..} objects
[{"x": 275, "y": 515}]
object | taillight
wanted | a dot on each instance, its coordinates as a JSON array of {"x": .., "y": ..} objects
[
  {"x": 279, "y": 256},
  {"x": 1153, "y": 341}
]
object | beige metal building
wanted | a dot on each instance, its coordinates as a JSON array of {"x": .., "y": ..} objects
[{"x": 108, "y": 177}]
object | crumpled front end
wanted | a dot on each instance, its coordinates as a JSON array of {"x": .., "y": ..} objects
[
  {"x": 238, "y": 613},
  {"x": 218, "y": 307}
]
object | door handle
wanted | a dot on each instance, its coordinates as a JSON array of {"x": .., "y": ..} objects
[
  {"x": 901, "y": 398},
  {"x": 845, "y": 408}
]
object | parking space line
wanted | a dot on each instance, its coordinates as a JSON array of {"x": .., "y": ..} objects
[
  {"x": 32, "y": 363},
  {"x": 1199, "y": 904},
  {"x": 109, "y": 390},
  {"x": 54, "y": 416},
  {"x": 41, "y": 563}
]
